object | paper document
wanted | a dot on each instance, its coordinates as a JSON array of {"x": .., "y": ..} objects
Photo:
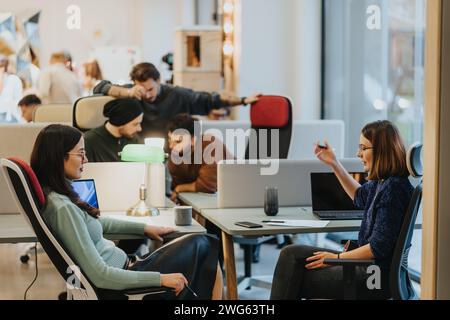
[{"x": 298, "y": 223}]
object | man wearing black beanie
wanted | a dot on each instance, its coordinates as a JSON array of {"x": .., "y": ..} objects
[{"x": 104, "y": 144}]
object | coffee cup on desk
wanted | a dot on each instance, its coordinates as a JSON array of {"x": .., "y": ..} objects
[{"x": 183, "y": 215}]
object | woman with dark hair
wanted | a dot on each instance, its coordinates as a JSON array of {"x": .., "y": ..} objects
[
  {"x": 57, "y": 158},
  {"x": 300, "y": 271}
]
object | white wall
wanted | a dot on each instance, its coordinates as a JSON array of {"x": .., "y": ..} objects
[
  {"x": 206, "y": 9},
  {"x": 159, "y": 21},
  {"x": 278, "y": 48},
  {"x": 306, "y": 86}
]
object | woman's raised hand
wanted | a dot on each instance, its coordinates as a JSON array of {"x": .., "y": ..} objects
[{"x": 325, "y": 153}]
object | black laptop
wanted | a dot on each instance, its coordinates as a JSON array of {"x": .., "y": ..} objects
[{"x": 329, "y": 199}]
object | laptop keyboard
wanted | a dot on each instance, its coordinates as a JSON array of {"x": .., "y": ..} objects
[{"x": 340, "y": 215}]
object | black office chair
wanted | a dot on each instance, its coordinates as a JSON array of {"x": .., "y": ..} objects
[
  {"x": 27, "y": 192},
  {"x": 399, "y": 281}
]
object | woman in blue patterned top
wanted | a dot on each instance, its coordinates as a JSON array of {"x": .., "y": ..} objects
[{"x": 300, "y": 271}]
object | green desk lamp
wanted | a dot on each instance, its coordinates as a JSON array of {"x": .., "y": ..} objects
[{"x": 149, "y": 155}]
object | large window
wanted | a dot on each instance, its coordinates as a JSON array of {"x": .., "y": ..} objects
[
  {"x": 374, "y": 69},
  {"x": 374, "y": 74}
]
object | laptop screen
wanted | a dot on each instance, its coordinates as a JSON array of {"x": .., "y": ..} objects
[
  {"x": 328, "y": 194},
  {"x": 86, "y": 191}
]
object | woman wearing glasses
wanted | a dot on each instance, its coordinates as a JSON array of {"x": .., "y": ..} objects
[
  {"x": 300, "y": 271},
  {"x": 57, "y": 158}
]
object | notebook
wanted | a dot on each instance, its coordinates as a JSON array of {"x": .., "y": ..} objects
[
  {"x": 86, "y": 191},
  {"x": 329, "y": 199}
]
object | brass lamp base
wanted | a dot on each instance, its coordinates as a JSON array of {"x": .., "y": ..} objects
[{"x": 141, "y": 210}]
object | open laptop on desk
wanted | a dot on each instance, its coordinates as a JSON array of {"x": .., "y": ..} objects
[{"x": 329, "y": 199}]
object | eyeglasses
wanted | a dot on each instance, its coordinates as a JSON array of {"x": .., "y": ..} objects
[
  {"x": 81, "y": 154},
  {"x": 362, "y": 148}
]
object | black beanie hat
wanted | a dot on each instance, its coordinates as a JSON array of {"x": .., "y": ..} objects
[{"x": 122, "y": 111}]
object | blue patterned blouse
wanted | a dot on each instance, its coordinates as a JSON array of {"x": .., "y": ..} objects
[{"x": 384, "y": 203}]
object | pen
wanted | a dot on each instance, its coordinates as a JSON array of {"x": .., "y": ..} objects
[
  {"x": 276, "y": 221},
  {"x": 191, "y": 291}
]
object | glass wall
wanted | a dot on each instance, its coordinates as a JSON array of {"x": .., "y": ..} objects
[{"x": 374, "y": 69}]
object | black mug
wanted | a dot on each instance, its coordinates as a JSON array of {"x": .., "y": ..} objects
[{"x": 271, "y": 201}]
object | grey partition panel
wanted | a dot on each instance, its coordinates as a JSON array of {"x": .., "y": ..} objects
[
  {"x": 306, "y": 133},
  {"x": 242, "y": 185},
  {"x": 219, "y": 129}
]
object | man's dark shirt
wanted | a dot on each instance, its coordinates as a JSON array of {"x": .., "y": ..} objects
[{"x": 102, "y": 146}]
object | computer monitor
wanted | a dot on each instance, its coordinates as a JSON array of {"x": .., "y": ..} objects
[{"x": 86, "y": 191}]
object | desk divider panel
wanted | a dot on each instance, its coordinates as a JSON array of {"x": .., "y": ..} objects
[
  {"x": 242, "y": 185},
  {"x": 117, "y": 183}
]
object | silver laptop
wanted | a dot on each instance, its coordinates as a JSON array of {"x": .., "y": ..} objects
[{"x": 329, "y": 199}]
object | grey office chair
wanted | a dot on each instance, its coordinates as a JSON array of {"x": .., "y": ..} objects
[
  {"x": 53, "y": 113},
  {"x": 27, "y": 192},
  {"x": 399, "y": 281},
  {"x": 88, "y": 112}
]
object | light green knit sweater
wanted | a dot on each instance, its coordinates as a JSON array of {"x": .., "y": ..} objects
[{"x": 98, "y": 258}]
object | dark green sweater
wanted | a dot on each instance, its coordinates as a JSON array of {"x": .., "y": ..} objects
[{"x": 102, "y": 146}]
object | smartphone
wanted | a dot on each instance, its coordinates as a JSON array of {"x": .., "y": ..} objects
[{"x": 247, "y": 224}]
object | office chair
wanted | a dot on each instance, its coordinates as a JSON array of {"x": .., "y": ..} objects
[
  {"x": 27, "y": 192},
  {"x": 53, "y": 113},
  {"x": 399, "y": 281},
  {"x": 88, "y": 112},
  {"x": 269, "y": 113}
]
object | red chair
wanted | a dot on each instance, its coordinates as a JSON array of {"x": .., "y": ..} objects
[
  {"x": 27, "y": 192},
  {"x": 270, "y": 113}
]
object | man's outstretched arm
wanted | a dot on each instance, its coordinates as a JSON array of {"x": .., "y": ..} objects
[{"x": 106, "y": 88}]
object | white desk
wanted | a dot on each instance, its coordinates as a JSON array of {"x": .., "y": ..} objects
[{"x": 206, "y": 206}]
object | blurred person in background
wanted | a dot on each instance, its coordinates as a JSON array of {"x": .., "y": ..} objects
[
  {"x": 92, "y": 76},
  {"x": 10, "y": 93},
  {"x": 28, "y": 106},
  {"x": 58, "y": 84}
]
